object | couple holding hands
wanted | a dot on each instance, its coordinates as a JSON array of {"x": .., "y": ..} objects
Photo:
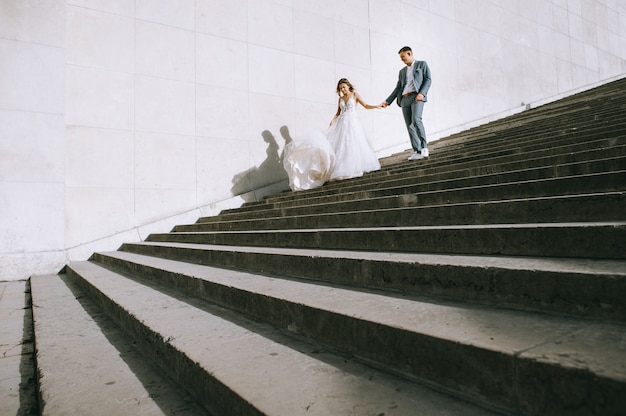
[{"x": 343, "y": 151}]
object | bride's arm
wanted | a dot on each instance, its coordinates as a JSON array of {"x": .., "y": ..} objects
[
  {"x": 336, "y": 114},
  {"x": 363, "y": 103}
]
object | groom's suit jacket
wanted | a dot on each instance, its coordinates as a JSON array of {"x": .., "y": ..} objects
[{"x": 421, "y": 79}]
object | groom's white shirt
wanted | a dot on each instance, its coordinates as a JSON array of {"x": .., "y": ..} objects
[{"x": 410, "y": 85}]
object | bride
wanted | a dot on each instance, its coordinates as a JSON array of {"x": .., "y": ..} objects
[{"x": 342, "y": 152}]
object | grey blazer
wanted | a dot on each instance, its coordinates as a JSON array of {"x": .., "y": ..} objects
[{"x": 421, "y": 79}]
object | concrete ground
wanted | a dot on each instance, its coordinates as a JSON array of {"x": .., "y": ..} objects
[
  {"x": 18, "y": 378},
  {"x": 17, "y": 371}
]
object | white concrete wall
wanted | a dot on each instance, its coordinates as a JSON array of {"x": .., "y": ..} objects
[{"x": 123, "y": 117}]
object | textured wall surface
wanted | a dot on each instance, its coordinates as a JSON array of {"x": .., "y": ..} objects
[{"x": 122, "y": 117}]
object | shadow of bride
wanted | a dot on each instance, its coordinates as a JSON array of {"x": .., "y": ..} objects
[
  {"x": 269, "y": 172},
  {"x": 284, "y": 131}
]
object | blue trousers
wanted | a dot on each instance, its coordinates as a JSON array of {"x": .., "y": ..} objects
[{"x": 412, "y": 112}]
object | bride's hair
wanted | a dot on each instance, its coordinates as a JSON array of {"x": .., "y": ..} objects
[{"x": 344, "y": 81}]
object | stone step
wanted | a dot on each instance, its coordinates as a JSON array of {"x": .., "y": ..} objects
[
  {"x": 593, "y": 240},
  {"x": 544, "y": 119},
  {"x": 488, "y": 355},
  {"x": 237, "y": 366},
  {"x": 599, "y": 160},
  {"x": 18, "y": 390},
  {"x": 578, "y": 208},
  {"x": 586, "y": 288},
  {"x": 503, "y": 160},
  {"x": 509, "y": 142},
  {"x": 423, "y": 194},
  {"x": 511, "y": 133},
  {"x": 434, "y": 183},
  {"x": 533, "y": 157},
  {"x": 602, "y": 104},
  {"x": 602, "y": 157},
  {"x": 566, "y": 127},
  {"x": 85, "y": 364},
  {"x": 544, "y": 138}
]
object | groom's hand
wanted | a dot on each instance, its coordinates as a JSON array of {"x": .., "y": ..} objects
[
  {"x": 420, "y": 97},
  {"x": 383, "y": 104}
]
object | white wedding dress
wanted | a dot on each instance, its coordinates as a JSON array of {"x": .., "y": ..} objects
[
  {"x": 343, "y": 152},
  {"x": 308, "y": 161}
]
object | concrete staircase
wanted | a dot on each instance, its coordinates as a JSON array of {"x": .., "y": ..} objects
[{"x": 488, "y": 279}]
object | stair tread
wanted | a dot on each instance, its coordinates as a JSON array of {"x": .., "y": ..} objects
[
  {"x": 576, "y": 198},
  {"x": 453, "y": 172},
  {"x": 446, "y": 158},
  {"x": 275, "y": 378},
  {"x": 560, "y": 265},
  {"x": 82, "y": 369},
  {"x": 572, "y": 286},
  {"x": 599, "y": 240},
  {"x": 461, "y": 193},
  {"x": 593, "y": 346},
  {"x": 576, "y": 224},
  {"x": 16, "y": 350}
]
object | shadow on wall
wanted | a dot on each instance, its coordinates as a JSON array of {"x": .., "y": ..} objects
[{"x": 270, "y": 171}]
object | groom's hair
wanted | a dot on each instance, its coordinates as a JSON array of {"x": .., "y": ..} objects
[{"x": 405, "y": 49}]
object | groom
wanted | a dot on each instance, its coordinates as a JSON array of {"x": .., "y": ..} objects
[{"x": 410, "y": 93}]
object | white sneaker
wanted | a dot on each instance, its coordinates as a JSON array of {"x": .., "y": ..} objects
[
  {"x": 415, "y": 156},
  {"x": 424, "y": 153}
]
